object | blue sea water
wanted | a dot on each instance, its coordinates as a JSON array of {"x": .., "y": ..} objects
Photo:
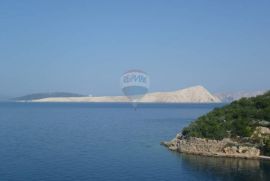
[{"x": 83, "y": 141}]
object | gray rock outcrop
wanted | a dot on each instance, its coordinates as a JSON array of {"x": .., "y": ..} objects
[{"x": 222, "y": 148}]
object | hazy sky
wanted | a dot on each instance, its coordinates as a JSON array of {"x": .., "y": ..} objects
[{"x": 85, "y": 46}]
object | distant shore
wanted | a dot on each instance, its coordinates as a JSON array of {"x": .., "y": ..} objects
[{"x": 196, "y": 94}]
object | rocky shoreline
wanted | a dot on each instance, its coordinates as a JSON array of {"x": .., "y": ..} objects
[{"x": 217, "y": 148}]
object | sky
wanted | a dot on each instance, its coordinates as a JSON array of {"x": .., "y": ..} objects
[{"x": 85, "y": 46}]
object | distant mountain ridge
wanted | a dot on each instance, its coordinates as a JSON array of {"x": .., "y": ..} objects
[
  {"x": 37, "y": 96},
  {"x": 196, "y": 94},
  {"x": 234, "y": 96}
]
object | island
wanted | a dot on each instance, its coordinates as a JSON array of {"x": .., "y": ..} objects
[
  {"x": 195, "y": 94},
  {"x": 240, "y": 129},
  {"x": 38, "y": 96}
]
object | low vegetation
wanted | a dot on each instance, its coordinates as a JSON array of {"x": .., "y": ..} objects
[{"x": 237, "y": 120}]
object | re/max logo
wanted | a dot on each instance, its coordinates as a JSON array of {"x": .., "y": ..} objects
[{"x": 134, "y": 78}]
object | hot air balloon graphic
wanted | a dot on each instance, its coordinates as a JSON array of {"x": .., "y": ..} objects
[{"x": 135, "y": 84}]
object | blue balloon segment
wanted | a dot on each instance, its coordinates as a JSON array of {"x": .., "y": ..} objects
[{"x": 135, "y": 91}]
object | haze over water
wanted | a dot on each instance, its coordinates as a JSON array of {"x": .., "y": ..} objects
[{"x": 84, "y": 141}]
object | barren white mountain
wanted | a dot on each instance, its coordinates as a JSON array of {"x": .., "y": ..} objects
[{"x": 196, "y": 94}]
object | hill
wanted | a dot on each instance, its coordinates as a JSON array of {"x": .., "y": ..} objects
[
  {"x": 37, "y": 96},
  {"x": 246, "y": 120},
  {"x": 196, "y": 94}
]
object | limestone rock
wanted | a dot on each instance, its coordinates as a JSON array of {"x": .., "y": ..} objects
[
  {"x": 225, "y": 147},
  {"x": 261, "y": 132},
  {"x": 196, "y": 94}
]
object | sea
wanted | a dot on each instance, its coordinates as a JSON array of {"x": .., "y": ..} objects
[{"x": 114, "y": 142}]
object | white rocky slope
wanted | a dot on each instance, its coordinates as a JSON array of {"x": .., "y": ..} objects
[
  {"x": 191, "y": 94},
  {"x": 196, "y": 94}
]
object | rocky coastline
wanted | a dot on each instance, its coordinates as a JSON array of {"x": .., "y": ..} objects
[
  {"x": 240, "y": 129},
  {"x": 208, "y": 147}
]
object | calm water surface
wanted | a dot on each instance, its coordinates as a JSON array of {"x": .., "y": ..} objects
[{"x": 107, "y": 142}]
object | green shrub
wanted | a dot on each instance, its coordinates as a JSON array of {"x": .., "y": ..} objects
[
  {"x": 266, "y": 148},
  {"x": 236, "y": 119}
]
